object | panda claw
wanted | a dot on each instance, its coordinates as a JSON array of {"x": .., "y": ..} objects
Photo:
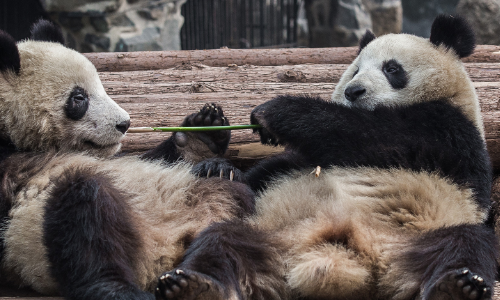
[
  {"x": 231, "y": 175},
  {"x": 186, "y": 284},
  {"x": 221, "y": 173},
  {"x": 209, "y": 172},
  {"x": 460, "y": 284}
]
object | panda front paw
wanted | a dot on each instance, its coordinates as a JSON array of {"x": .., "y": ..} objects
[
  {"x": 183, "y": 284},
  {"x": 259, "y": 116},
  {"x": 460, "y": 284},
  {"x": 218, "y": 167},
  {"x": 209, "y": 115}
]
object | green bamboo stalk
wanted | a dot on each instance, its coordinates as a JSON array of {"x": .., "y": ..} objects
[{"x": 191, "y": 129}]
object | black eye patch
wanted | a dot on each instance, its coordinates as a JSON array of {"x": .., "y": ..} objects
[
  {"x": 77, "y": 104},
  {"x": 395, "y": 74}
]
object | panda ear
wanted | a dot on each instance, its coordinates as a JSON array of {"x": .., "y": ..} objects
[
  {"x": 46, "y": 31},
  {"x": 453, "y": 32},
  {"x": 366, "y": 39},
  {"x": 9, "y": 54}
]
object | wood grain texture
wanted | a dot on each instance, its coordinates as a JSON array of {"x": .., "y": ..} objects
[{"x": 187, "y": 59}]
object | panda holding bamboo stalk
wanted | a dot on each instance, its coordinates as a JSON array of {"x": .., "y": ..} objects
[{"x": 400, "y": 208}]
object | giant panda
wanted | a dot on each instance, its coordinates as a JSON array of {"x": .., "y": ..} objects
[
  {"x": 75, "y": 219},
  {"x": 400, "y": 207}
]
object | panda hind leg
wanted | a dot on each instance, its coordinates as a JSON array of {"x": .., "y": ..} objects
[
  {"x": 90, "y": 237},
  {"x": 452, "y": 263},
  {"x": 228, "y": 260}
]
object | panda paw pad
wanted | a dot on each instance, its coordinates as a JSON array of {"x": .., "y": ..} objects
[
  {"x": 209, "y": 115},
  {"x": 462, "y": 284},
  {"x": 183, "y": 284}
]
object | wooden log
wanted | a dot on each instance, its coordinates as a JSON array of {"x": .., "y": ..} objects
[
  {"x": 134, "y": 61},
  {"x": 258, "y": 78}
]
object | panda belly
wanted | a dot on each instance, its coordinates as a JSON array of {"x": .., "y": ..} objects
[
  {"x": 342, "y": 230},
  {"x": 164, "y": 203}
]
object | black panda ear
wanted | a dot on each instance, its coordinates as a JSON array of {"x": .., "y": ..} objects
[
  {"x": 453, "y": 32},
  {"x": 9, "y": 54},
  {"x": 366, "y": 39},
  {"x": 46, "y": 31}
]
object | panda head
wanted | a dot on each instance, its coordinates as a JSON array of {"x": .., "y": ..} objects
[
  {"x": 401, "y": 69},
  {"x": 51, "y": 97}
]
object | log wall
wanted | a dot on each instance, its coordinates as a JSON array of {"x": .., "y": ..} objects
[{"x": 160, "y": 88}]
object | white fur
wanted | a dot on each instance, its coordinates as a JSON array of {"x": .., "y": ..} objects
[
  {"x": 352, "y": 222},
  {"x": 32, "y": 103},
  {"x": 433, "y": 72}
]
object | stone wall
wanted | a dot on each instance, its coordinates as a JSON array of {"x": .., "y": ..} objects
[
  {"x": 484, "y": 16},
  {"x": 118, "y": 25},
  {"x": 338, "y": 23}
]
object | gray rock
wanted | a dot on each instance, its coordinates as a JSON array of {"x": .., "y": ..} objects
[
  {"x": 336, "y": 23},
  {"x": 484, "y": 17},
  {"x": 147, "y": 41},
  {"x": 418, "y": 15},
  {"x": 132, "y": 25},
  {"x": 386, "y": 15},
  {"x": 101, "y": 42},
  {"x": 121, "y": 20},
  {"x": 71, "y": 20},
  {"x": 98, "y": 21},
  {"x": 339, "y": 23}
]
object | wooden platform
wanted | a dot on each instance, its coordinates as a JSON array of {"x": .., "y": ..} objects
[{"x": 160, "y": 88}]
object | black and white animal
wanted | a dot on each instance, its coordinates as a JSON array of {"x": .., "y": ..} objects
[
  {"x": 73, "y": 220},
  {"x": 399, "y": 210}
]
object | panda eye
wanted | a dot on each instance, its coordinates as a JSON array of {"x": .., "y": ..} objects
[
  {"x": 395, "y": 74},
  {"x": 79, "y": 97},
  {"x": 391, "y": 70},
  {"x": 355, "y": 73},
  {"x": 77, "y": 104}
]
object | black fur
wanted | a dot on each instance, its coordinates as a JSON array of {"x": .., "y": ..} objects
[
  {"x": 395, "y": 74},
  {"x": 237, "y": 247},
  {"x": 455, "y": 33},
  {"x": 433, "y": 136},
  {"x": 259, "y": 175},
  {"x": 14, "y": 172},
  {"x": 90, "y": 238},
  {"x": 445, "y": 250},
  {"x": 46, "y": 31},
  {"x": 77, "y": 104},
  {"x": 9, "y": 54},
  {"x": 166, "y": 151},
  {"x": 366, "y": 39},
  {"x": 6, "y": 150},
  {"x": 216, "y": 141}
]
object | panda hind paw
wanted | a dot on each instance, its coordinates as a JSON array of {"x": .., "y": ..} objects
[
  {"x": 461, "y": 284},
  {"x": 183, "y": 284}
]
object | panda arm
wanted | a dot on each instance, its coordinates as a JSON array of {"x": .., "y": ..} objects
[{"x": 432, "y": 136}]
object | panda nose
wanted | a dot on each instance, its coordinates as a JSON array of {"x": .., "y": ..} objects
[
  {"x": 352, "y": 93},
  {"x": 123, "y": 126}
]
